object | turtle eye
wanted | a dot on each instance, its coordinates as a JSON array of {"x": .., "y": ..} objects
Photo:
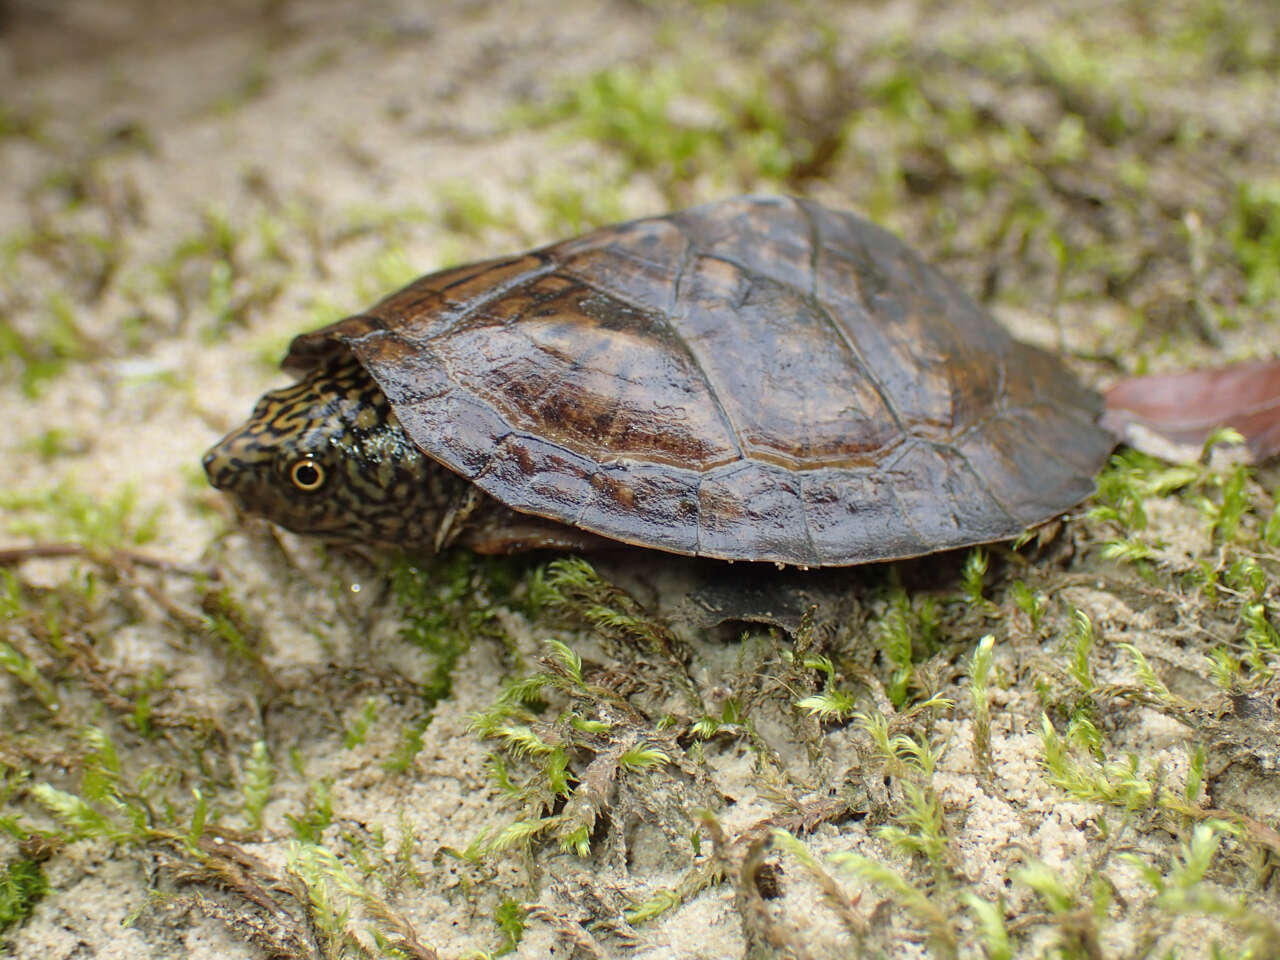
[{"x": 307, "y": 475}]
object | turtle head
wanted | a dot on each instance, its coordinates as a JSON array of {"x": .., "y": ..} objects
[{"x": 327, "y": 456}]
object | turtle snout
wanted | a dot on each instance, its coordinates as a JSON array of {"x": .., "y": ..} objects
[
  {"x": 219, "y": 467},
  {"x": 211, "y": 470}
]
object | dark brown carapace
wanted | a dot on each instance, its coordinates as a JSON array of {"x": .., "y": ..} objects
[{"x": 755, "y": 379}]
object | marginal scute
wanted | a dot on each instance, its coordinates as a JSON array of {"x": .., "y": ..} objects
[
  {"x": 455, "y": 419},
  {"x": 1025, "y": 458},
  {"x": 755, "y": 379},
  {"x": 964, "y": 511},
  {"x": 752, "y": 507},
  {"x": 538, "y": 472},
  {"x": 856, "y": 512},
  {"x": 661, "y": 512}
]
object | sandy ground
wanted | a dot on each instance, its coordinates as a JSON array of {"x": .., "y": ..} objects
[{"x": 183, "y": 188}]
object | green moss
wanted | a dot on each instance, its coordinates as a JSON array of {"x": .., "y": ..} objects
[
  {"x": 222, "y": 273},
  {"x": 562, "y": 737},
  {"x": 979, "y": 695},
  {"x": 342, "y": 905},
  {"x": 907, "y": 634},
  {"x": 1029, "y": 602},
  {"x": 679, "y": 123},
  {"x": 389, "y": 269},
  {"x": 1254, "y": 232},
  {"x": 94, "y": 519},
  {"x": 55, "y": 443},
  {"x": 309, "y": 826},
  {"x": 258, "y": 778},
  {"x": 510, "y": 918},
  {"x": 22, "y": 885},
  {"x": 629, "y": 109},
  {"x": 20, "y": 666},
  {"x": 42, "y": 354},
  {"x": 1118, "y": 783},
  {"x": 441, "y": 615},
  {"x": 973, "y": 576},
  {"x": 920, "y": 904},
  {"x": 1187, "y": 889},
  {"x": 359, "y": 728},
  {"x": 572, "y": 586},
  {"x": 832, "y": 703},
  {"x": 575, "y": 203},
  {"x": 465, "y": 209},
  {"x": 1229, "y": 37}
]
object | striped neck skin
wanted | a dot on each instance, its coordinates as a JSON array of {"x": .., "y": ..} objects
[{"x": 327, "y": 456}]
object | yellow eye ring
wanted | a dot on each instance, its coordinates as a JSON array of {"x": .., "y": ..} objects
[{"x": 307, "y": 475}]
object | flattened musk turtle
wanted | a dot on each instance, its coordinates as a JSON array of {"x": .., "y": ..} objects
[{"x": 755, "y": 379}]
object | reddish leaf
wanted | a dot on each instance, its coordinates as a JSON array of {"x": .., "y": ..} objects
[{"x": 1182, "y": 409}]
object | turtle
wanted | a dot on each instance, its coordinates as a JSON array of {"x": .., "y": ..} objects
[{"x": 754, "y": 379}]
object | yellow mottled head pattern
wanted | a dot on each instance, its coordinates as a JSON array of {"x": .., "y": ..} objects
[{"x": 327, "y": 456}]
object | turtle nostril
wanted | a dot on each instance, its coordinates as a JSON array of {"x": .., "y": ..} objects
[{"x": 213, "y": 469}]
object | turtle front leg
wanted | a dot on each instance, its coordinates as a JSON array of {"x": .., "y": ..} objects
[{"x": 453, "y": 522}]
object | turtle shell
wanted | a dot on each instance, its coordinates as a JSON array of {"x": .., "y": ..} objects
[{"x": 754, "y": 379}]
